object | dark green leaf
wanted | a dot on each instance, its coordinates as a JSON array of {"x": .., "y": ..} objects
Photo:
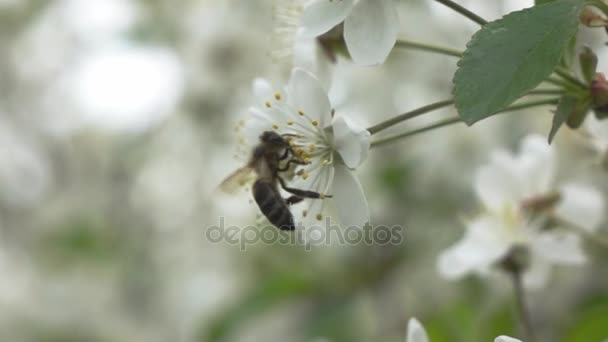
[
  {"x": 542, "y": 2},
  {"x": 565, "y": 107},
  {"x": 510, "y": 56}
]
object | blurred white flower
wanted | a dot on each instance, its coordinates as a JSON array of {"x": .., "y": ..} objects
[
  {"x": 520, "y": 202},
  {"x": 416, "y": 332},
  {"x": 370, "y": 26},
  {"x": 597, "y": 133},
  {"x": 504, "y": 338},
  {"x": 333, "y": 146}
]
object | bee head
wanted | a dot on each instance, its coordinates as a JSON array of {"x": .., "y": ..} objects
[{"x": 273, "y": 139}]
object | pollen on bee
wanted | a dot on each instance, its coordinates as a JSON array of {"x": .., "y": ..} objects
[
  {"x": 268, "y": 105},
  {"x": 301, "y": 112},
  {"x": 315, "y": 122},
  {"x": 277, "y": 96},
  {"x": 319, "y": 217}
]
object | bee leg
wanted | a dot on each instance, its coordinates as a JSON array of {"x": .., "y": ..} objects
[
  {"x": 287, "y": 165},
  {"x": 299, "y": 192},
  {"x": 291, "y": 200}
]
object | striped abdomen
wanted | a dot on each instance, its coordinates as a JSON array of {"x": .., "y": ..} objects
[{"x": 272, "y": 205}]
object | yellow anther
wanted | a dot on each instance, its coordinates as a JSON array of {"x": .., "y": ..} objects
[
  {"x": 321, "y": 195},
  {"x": 268, "y": 104},
  {"x": 325, "y": 162},
  {"x": 305, "y": 175},
  {"x": 301, "y": 112},
  {"x": 315, "y": 122},
  {"x": 311, "y": 148},
  {"x": 304, "y": 213},
  {"x": 298, "y": 135},
  {"x": 298, "y": 151},
  {"x": 300, "y": 172},
  {"x": 319, "y": 217},
  {"x": 289, "y": 123},
  {"x": 275, "y": 126},
  {"x": 277, "y": 96}
]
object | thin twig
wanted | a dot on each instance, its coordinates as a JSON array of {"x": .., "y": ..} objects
[{"x": 465, "y": 12}]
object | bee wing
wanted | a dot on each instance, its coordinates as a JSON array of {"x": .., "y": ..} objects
[{"x": 237, "y": 180}]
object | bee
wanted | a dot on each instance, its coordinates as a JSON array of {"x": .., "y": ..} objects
[{"x": 269, "y": 158}]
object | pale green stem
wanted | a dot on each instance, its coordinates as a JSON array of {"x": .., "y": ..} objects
[
  {"x": 406, "y": 116},
  {"x": 522, "y": 307},
  {"x": 465, "y": 12},
  {"x": 451, "y": 121},
  {"x": 428, "y": 47}
]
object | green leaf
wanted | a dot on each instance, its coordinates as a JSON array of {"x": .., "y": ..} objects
[
  {"x": 565, "y": 107},
  {"x": 542, "y": 2},
  {"x": 510, "y": 56}
]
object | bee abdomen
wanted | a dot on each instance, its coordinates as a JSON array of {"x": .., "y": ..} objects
[{"x": 272, "y": 205}]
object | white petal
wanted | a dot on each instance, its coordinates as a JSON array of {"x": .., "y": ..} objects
[
  {"x": 481, "y": 246},
  {"x": 320, "y": 16},
  {"x": 416, "y": 332},
  {"x": 351, "y": 141},
  {"x": 321, "y": 181},
  {"x": 307, "y": 94},
  {"x": 537, "y": 164},
  {"x": 349, "y": 199},
  {"x": 559, "y": 248},
  {"x": 581, "y": 206},
  {"x": 370, "y": 31},
  {"x": 537, "y": 273},
  {"x": 263, "y": 91},
  {"x": 497, "y": 184},
  {"x": 504, "y": 338}
]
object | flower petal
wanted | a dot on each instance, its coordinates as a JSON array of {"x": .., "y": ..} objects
[
  {"x": 497, "y": 184},
  {"x": 320, "y": 16},
  {"x": 581, "y": 206},
  {"x": 307, "y": 94},
  {"x": 349, "y": 199},
  {"x": 504, "y": 338},
  {"x": 559, "y": 248},
  {"x": 416, "y": 332},
  {"x": 481, "y": 246},
  {"x": 537, "y": 164},
  {"x": 370, "y": 31},
  {"x": 351, "y": 141},
  {"x": 263, "y": 91}
]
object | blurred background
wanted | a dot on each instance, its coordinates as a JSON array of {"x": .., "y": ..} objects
[{"x": 116, "y": 126}]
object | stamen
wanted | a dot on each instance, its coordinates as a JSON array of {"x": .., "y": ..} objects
[
  {"x": 268, "y": 105},
  {"x": 289, "y": 123},
  {"x": 277, "y": 96},
  {"x": 305, "y": 175},
  {"x": 315, "y": 122},
  {"x": 275, "y": 126},
  {"x": 311, "y": 148},
  {"x": 322, "y": 195},
  {"x": 301, "y": 112},
  {"x": 319, "y": 217},
  {"x": 304, "y": 213}
]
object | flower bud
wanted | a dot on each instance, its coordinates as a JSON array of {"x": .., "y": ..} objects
[
  {"x": 590, "y": 18},
  {"x": 588, "y": 62},
  {"x": 599, "y": 95}
]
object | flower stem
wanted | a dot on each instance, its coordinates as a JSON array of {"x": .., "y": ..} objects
[
  {"x": 522, "y": 307},
  {"x": 406, "y": 116},
  {"x": 451, "y": 121},
  {"x": 465, "y": 12},
  {"x": 563, "y": 73},
  {"x": 546, "y": 92},
  {"x": 408, "y": 44},
  {"x": 441, "y": 123}
]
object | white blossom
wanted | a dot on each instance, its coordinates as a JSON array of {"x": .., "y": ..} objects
[
  {"x": 504, "y": 338},
  {"x": 370, "y": 26},
  {"x": 521, "y": 205},
  {"x": 415, "y": 332},
  {"x": 332, "y": 145}
]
